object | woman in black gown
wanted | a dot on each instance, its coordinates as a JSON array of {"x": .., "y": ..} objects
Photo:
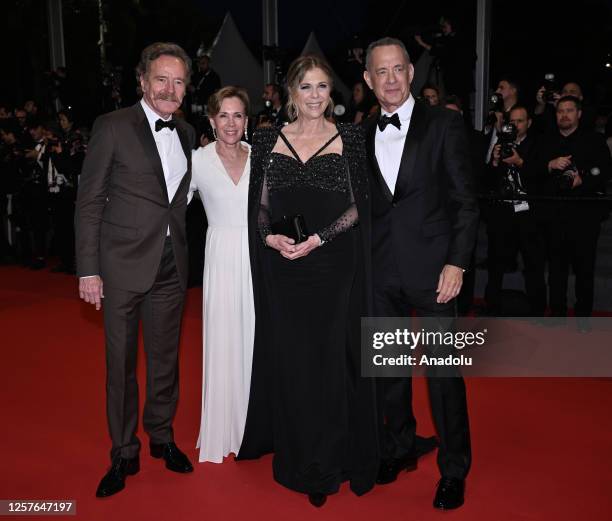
[{"x": 309, "y": 404}]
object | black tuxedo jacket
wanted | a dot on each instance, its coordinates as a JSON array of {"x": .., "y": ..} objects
[
  {"x": 432, "y": 217},
  {"x": 123, "y": 211}
]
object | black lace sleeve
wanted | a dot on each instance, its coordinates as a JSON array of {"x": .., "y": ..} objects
[
  {"x": 263, "y": 216},
  {"x": 259, "y": 207},
  {"x": 346, "y": 221}
]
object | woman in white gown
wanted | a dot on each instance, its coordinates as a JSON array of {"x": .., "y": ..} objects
[{"x": 221, "y": 172}]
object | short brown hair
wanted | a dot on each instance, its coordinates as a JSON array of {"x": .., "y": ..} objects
[
  {"x": 231, "y": 91},
  {"x": 157, "y": 49},
  {"x": 295, "y": 74}
]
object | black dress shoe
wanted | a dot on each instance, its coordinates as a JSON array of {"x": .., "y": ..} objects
[
  {"x": 172, "y": 455},
  {"x": 389, "y": 469},
  {"x": 114, "y": 480},
  {"x": 449, "y": 494},
  {"x": 317, "y": 499}
]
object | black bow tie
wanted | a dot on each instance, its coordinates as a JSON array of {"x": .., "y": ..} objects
[
  {"x": 160, "y": 123},
  {"x": 389, "y": 120}
]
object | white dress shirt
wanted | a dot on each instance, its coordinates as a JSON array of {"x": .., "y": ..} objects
[
  {"x": 170, "y": 150},
  {"x": 389, "y": 144}
]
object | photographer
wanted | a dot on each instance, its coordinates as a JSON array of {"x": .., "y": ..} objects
[
  {"x": 430, "y": 94},
  {"x": 205, "y": 82},
  {"x": 11, "y": 172},
  {"x": 273, "y": 114},
  {"x": 513, "y": 224},
  {"x": 577, "y": 164},
  {"x": 455, "y": 58},
  {"x": 546, "y": 100},
  {"x": 62, "y": 161},
  {"x": 503, "y": 99},
  {"x": 32, "y": 197}
]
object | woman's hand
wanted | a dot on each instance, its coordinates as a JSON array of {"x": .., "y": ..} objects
[
  {"x": 281, "y": 243},
  {"x": 303, "y": 248}
]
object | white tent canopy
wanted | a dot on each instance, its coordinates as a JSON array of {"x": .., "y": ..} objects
[{"x": 235, "y": 63}]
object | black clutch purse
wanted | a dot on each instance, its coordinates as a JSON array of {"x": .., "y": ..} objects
[{"x": 293, "y": 227}]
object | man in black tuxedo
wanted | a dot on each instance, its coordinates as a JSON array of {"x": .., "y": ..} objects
[
  {"x": 424, "y": 224},
  {"x": 132, "y": 253}
]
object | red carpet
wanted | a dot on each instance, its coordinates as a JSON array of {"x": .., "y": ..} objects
[{"x": 541, "y": 446}]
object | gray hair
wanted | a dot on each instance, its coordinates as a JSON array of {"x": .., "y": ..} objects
[
  {"x": 387, "y": 40},
  {"x": 157, "y": 49}
]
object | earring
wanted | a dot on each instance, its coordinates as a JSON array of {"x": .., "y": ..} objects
[
  {"x": 246, "y": 133},
  {"x": 215, "y": 133}
]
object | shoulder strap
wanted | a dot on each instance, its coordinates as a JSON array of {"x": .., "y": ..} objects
[
  {"x": 329, "y": 142},
  {"x": 289, "y": 146}
]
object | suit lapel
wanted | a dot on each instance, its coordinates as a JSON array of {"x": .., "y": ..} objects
[
  {"x": 143, "y": 129},
  {"x": 371, "y": 151},
  {"x": 418, "y": 124}
]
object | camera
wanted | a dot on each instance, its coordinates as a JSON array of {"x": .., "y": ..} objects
[
  {"x": 496, "y": 102},
  {"x": 550, "y": 88},
  {"x": 564, "y": 179},
  {"x": 267, "y": 116},
  {"x": 506, "y": 138},
  {"x": 268, "y": 109},
  {"x": 197, "y": 109}
]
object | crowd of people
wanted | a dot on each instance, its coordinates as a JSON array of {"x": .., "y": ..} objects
[
  {"x": 40, "y": 159},
  {"x": 315, "y": 218}
]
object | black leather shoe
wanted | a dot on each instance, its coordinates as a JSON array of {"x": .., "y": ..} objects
[
  {"x": 317, "y": 499},
  {"x": 114, "y": 480},
  {"x": 449, "y": 494},
  {"x": 389, "y": 469},
  {"x": 172, "y": 455}
]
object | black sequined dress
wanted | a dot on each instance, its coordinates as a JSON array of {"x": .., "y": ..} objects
[{"x": 323, "y": 415}]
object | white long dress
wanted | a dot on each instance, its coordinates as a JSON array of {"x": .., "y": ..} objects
[{"x": 229, "y": 315}]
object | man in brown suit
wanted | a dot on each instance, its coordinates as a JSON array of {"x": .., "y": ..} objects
[{"x": 132, "y": 252}]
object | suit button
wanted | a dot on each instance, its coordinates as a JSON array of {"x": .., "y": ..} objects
[{"x": 394, "y": 205}]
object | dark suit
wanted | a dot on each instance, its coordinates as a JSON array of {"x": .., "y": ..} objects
[
  {"x": 122, "y": 217},
  {"x": 430, "y": 220}
]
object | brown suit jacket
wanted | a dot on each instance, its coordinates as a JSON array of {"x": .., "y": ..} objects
[{"x": 123, "y": 211}]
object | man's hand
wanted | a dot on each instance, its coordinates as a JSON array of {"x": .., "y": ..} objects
[
  {"x": 560, "y": 163},
  {"x": 514, "y": 159},
  {"x": 303, "y": 248},
  {"x": 499, "y": 120},
  {"x": 90, "y": 290},
  {"x": 31, "y": 154},
  {"x": 449, "y": 284},
  {"x": 577, "y": 180},
  {"x": 496, "y": 155},
  {"x": 421, "y": 42}
]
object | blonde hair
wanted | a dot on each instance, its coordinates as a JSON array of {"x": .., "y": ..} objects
[{"x": 296, "y": 73}]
